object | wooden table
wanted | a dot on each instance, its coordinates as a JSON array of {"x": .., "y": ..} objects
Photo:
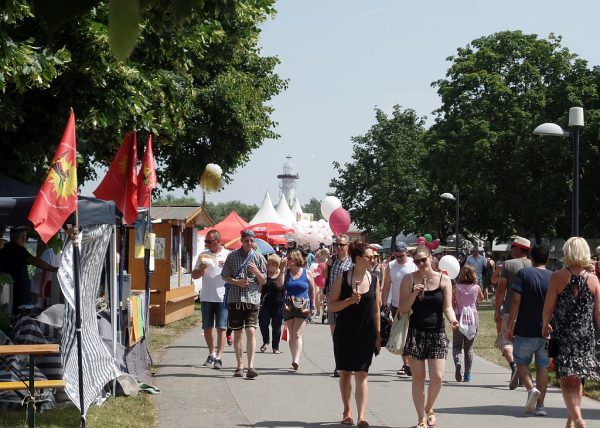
[{"x": 32, "y": 351}]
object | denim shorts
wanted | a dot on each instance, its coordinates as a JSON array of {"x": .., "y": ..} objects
[
  {"x": 525, "y": 347},
  {"x": 214, "y": 312}
]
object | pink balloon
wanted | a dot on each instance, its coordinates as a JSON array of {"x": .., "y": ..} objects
[
  {"x": 339, "y": 221},
  {"x": 433, "y": 244},
  {"x": 422, "y": 241}
]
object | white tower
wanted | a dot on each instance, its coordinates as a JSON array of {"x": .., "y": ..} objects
[{"x": 287, "y": 186}]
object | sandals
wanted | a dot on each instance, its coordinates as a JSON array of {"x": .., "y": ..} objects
[
  {"x": 263, "y": 348},
  {"x": 347, "y": 419},
  {"x": 431, "y": 419},
  {"x": 422, "y": 424},
  {"x": 362, "y": 424}
]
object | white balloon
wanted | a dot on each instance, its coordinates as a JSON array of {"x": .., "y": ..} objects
[
  {"x": 451, "y": 265},
  {"x": 329, "y": 205}
]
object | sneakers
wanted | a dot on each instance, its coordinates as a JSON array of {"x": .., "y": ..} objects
[
  {"x": 540, "y": 411},
  {"x": 532, "y": 397},
  {"x": 251, "y": 374},
  {"x": 229, "y": 340},
  {"x": 239, "y": 372},
  {"x": 458, "y": 373},
  {"x": 210, "y": 361},
  {"x": 514, "y": 379},
  {"x": 218, "y": 364},
  {"x": 467, "y": 377}
]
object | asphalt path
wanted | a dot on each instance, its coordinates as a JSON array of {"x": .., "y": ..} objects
[{"x": 196, "y": 396}]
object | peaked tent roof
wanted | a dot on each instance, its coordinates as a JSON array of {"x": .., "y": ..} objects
[
  {"x": 266, "y": 213},
  {"x": 297, "y": 209},
  {"x": 284, "y": 212},
  {"x": 230, "y": 227}
]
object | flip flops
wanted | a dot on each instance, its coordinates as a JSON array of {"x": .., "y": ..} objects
[
  {"x": 431, "y": 419},
  {"x": 347, "y": 419},
  {"x": 263, "y": 348}
]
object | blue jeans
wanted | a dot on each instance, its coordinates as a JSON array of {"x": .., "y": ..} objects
[
  {"x": 214, "y": 312},
  {"x": 274, "y": 316},
  {"x": 525, "y": 347}
]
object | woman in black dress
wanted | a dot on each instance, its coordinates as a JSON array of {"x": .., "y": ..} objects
[
  {"x": 356, "y": 298},
  {"x": 574, "y": 298}
]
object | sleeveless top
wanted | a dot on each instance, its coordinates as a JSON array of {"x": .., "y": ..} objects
[
  {"x": 427, "y": 312},
  {"x": 296, "y": 287},
  {"x": 272, "y": 296}
]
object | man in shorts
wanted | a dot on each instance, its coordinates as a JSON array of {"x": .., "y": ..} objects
[
  {"x": 214, "y": 312},
  {"x": 245, "y": 270},
  {"x": 525, "y": 318},
  {"x": 519, "y": 251},
  {"x": 341, "y": 263}
]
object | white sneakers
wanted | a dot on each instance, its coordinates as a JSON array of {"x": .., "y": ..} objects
[{"x": 532, "y": 398}]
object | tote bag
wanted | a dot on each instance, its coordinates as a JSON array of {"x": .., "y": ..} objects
[{"x": 398, "y": 333}]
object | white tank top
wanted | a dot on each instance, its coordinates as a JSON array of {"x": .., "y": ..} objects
[{"x": 397, "y": 272}]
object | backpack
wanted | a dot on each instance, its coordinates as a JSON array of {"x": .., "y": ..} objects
[{"x": 467, "y": 324}]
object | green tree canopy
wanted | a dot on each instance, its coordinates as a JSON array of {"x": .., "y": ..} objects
[
  {"x": 200, "y": 88},
  {"x": 218, "y": 211},
  {"x": 172, "y": 200},
  {"x": 496, "y": 91},
  {"x": 313, "y": 207},
  {"x": 380, "y": 186}
]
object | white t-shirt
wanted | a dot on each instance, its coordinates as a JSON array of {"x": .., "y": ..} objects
[
  {"x": 213, "y": 286},
  {"x": 52, "y": 259},
  {"x": 397, "y": 272}
]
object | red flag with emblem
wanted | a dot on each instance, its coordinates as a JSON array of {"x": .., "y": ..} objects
[
  {"x": 147, "y": 177},
  {"x": 120, "y": 182},
  {"x": 57, "y": 197}
]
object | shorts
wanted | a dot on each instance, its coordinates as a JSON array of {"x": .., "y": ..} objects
[
  {"x": 214, "y": 312},
  {"x": 242, "y": 315},
  {"x": 426, "y": 345},
  {"x": 503, "y": 342},
  {"x": 526, "y": 347}
]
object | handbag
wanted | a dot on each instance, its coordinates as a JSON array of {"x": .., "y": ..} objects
[
  {"x": 386, "y": 324},
  {"x": 295, "y": 307},
  {"x": 553, "y": 347},
  {"x": 398, "y": 333}
]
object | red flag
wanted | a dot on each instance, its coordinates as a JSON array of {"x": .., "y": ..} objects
[
  {"x": 120, "y": 182},
  {"x": 57, "y": 198},
  {"x": 147, "y": 176}
]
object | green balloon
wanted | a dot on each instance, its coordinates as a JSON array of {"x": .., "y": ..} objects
[{"x": 428, "y": 237}]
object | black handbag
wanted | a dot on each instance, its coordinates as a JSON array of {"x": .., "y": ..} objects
[
  {"x": 386, "y": 324},
  {"x": 553, "y": 347}
]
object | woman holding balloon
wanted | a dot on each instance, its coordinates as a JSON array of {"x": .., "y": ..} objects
[{"x": 429, "y": 295}]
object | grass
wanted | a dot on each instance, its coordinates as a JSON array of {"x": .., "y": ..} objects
[
  {"x": 131, "y": 412},
  {"x": 485, "y": 347}
]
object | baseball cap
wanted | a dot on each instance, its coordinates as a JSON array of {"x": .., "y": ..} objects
[
  {"x": 401, "y": 247},
  {"x": 248, "y": 232}
]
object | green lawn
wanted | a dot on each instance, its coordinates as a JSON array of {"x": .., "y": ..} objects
[
  {"x": 130, "y": 412},
  {"x": 484, "y": 347}
]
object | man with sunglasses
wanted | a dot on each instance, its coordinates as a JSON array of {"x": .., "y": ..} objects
[
  {"x": 339, "y": 263},
  {"x": 214, "y": 313},
  {"x": 245, "y": 270},
  {"x": 402, "y": 265}
]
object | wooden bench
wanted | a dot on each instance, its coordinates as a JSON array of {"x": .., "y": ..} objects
[{"x": 29, "y": 385}]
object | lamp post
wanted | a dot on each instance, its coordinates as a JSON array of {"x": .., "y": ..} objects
[
  {"x": 450, "y": 197},
  {"x": 576, "y": 122}
]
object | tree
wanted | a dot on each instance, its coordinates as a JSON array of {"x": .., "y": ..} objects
[
  {"x": 497, "y": 90},
  {"x": 218, "y": 211},
  {"x": 313, "y": 207},
  {"x": 172, "y": 200},
  {"x": 200, "y": 89},
  {"x": 380, "y": 186}
]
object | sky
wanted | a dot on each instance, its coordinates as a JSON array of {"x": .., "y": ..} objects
[{"x": 345, "y": 58}]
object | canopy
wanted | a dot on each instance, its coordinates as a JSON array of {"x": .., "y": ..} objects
[
  {"x": 297, "y": 209},
  {"x": 270, "y": 229},
  {"x": 16, "y": 199},
  {"x": 266, "y": 213},
  {"x": 283, "y": 210},
  {"x": 229, "y": 228}
]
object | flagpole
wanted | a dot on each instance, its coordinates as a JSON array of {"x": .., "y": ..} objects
[
  {"x": 147, "y": 285},
  {"x": 76, "y": 276}
]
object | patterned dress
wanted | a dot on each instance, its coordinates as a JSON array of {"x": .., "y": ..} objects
[{"x": 574, "y": 325}]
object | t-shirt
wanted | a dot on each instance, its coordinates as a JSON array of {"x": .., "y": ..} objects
[
  {"x": 213, "y": 286},
  {"x": 478, "y": 263},
  {"x": 466, "y": 295},
  {"x": 397, "y": 272},
  {"x": 52, "y": 259},
  {"x": 532, "y": 284},
  {"x": 13, "y": 261},
  {"x": 511, "y": 267}
]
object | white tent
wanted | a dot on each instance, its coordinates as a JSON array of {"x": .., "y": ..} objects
[
  {"x": 284, "y": 212},
  {"x": 297, "y": 209},
  {"x": 266, "y": 213}
]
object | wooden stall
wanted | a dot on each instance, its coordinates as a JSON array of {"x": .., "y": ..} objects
[{"x": 172, "y": 290}]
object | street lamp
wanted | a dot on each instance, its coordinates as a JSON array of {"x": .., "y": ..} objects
[
  {"x": 576, "y": 122},
  {"x": 450, "y": 197}
]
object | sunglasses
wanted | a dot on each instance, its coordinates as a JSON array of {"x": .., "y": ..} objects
[
  {"x": 208, "y": 241},
  {"x": 339, "y": 245},
  {"x": 419, "y": 261},
  {"x": 368, "y": 257}
]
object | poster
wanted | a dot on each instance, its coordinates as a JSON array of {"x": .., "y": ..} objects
[{"x": 159, "y": 248}]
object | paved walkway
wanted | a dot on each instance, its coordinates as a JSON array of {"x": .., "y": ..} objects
[{"x": 196, "y": 396}]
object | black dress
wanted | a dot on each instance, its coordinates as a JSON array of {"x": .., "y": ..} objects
[{"x": 354, "y": 335}]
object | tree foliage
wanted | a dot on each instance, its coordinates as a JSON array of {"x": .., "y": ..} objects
[
  {"x": 313, "y": 207},
  {"x": 496, "y": 91},
  {"x": 381, "y": 184},
  {"x": 171, "y": 200},
  {"x": 200, "y": 88},
  {"x": 218, "y": 211}
]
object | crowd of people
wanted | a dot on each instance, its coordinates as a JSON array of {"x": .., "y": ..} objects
[{"x": 539, "y": 314}]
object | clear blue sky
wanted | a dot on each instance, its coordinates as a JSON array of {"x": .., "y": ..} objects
[{"x": 344, "y": 58}]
